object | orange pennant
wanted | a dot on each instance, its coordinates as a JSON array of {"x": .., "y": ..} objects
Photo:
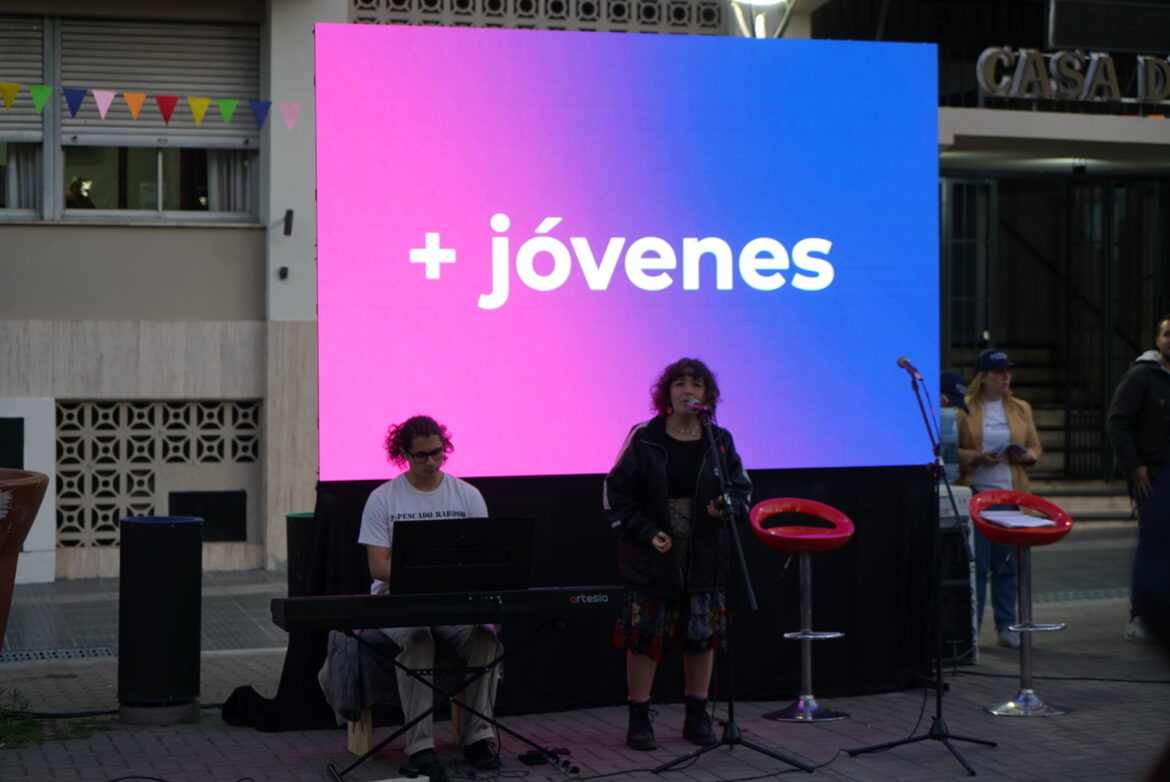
[{"x": 134, "y": 100}]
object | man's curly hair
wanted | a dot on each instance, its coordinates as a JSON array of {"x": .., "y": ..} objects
[{"x": 400, "y": 436}]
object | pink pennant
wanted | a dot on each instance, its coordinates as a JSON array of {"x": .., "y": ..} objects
[
  {"x": 103, "y": 99},
  {"x": 291, "y": 111}
]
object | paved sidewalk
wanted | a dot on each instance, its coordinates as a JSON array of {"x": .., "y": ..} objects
[
  {"x": 1119, "y": 693},
  {"x": 1118, "y": 724}
]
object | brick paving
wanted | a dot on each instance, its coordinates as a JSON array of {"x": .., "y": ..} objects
[{"x": 1119, "y": 693}]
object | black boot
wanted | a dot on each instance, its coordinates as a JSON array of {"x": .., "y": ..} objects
[
  {"x": 640, "y": 734},
  {"x": 697, "y": 723}
]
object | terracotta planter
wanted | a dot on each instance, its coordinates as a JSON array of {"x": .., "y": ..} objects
[{"x": 21, "y": 493}]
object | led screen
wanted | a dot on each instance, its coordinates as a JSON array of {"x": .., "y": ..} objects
[{"x": 517, "y": 230}]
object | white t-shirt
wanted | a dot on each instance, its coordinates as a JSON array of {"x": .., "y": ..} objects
[
  {"x": 995, "y": 434},
  {"x": 396, "y": 500}
]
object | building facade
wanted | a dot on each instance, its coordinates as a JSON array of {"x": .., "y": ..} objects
[{"x": 157, "y": 263}]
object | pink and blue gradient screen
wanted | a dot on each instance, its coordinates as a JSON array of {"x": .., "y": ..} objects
[{"x": 636, "y": 143}]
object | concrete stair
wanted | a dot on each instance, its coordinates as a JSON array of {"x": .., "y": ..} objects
[{"x": 1086, "y": 500}]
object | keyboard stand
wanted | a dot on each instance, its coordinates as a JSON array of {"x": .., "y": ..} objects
[{"x": 381, "y": 655}]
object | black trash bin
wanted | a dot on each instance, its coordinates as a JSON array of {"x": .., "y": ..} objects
[
  {"x": 159, "y": 618},
  {"x": 300, "y": 532}
]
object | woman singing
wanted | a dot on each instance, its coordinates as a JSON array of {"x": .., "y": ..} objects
[{"x": 662, "y": 497}]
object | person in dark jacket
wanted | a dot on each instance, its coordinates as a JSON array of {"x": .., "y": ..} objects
[
  {"x": 663, "y": 499},
  {"x": 1139, "y": 429}
]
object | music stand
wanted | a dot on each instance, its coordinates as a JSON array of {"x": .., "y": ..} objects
[{"x": 461, "y": 555}]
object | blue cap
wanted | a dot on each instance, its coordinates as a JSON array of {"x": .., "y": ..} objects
[
  {"x": 954, "y": 389},
  {"x": 991, "y": 360}
]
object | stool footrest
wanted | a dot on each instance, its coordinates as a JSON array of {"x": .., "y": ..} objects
[
  {"x": 1026, "y": 704},
  {"x": 1032, "y": 627},
  {"x": 805, "y": 709},
  {"x": 813, "y": 636}
]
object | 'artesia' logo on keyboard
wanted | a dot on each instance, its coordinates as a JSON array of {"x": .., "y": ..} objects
[{"x": 595, "y": 597}]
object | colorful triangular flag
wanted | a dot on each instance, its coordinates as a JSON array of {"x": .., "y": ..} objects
[
  {"x": 260, "y": 111},
  {"x": 74, "y": 96},
  {"x": 103, "y": 99},
  {"x": 134, "y": 100},
  {"x": 40, "y": 94},
  {"x": 166, "y": 104},
  {"x": 8, "y": 91},
  {"x": 198, "y": 108},
  {"x": 290, "y": 111},
  {"x": 227, "y": 107}
]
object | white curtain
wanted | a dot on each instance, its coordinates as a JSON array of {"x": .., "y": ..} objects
[
  {"x": 229, "y": 180},
  {"x": 22, "y": 177}
]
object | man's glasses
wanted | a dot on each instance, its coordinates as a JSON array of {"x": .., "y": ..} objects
[{"x": 439, "y": 455}]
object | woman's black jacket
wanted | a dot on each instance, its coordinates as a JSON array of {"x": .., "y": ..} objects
[{"x": 637, "y": 506}]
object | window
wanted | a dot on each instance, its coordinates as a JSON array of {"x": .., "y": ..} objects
[
  {"x": 158, "y": 181},
  {"x": 130, "y": 163}
]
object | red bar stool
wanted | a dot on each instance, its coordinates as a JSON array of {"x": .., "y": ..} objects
[
  {"x": 1027, "y": 703},
  {"x": 803, "y": 540}
]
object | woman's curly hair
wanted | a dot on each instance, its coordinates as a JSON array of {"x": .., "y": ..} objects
[{"x": 660, "y": 391}]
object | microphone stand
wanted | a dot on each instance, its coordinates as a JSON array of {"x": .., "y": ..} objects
[
  {"x": 731, "y": 734},
  {"x": 938, "y": 726}
]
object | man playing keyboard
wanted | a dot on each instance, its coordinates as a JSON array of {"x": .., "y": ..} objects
[{"x": 421, "y": 445}]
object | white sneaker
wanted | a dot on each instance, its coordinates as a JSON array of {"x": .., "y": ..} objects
[
  {"x": 1136, "y": 630},
  {"x": 1009, "y": 638}
]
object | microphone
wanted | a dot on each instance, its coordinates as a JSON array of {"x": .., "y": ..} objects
[
  {"x": 905, "y": 364},
  {"x": 698, "y": 407}
]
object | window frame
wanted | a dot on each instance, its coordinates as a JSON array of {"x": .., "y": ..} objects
[{"x": 53, "y": 142}]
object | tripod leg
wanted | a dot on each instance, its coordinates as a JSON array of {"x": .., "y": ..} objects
[
  {"x": 684, "y": 758},
  {"x": 887, "y": 745},
  {"x": 731, "y": 737},
  {"x": 777, "y": 756},
  {"x": 939, "y": 730},
  {"x": 947, "y": 743}
]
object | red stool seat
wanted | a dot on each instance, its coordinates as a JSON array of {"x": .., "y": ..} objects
[
  {"x": 1019, "y": 536},
  {"x": 803, "y": 540},
  {"x": 1026, "y": 703},
  {"x": 796, "y": 538}
]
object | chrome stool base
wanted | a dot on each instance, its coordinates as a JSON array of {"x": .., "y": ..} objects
[
  {"x": 805, "y": 709},
  {"x": 1026, "y": 704}
]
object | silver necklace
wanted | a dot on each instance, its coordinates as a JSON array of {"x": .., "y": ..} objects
[{"x": 680, "y": 430}]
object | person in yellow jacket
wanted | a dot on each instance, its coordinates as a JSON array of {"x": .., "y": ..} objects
[{"x": 998, "y": 444}]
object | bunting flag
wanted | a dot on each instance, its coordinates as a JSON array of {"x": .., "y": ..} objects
[
  {"x": 40, "y": 95},
  {"x": 290, "y": 111},
  {"x": 198, "y": 108},
  {"x": 134, "y": 100},
  {"x": 260, "y": 111},
  {"x": 166, "y": 104},
  {"x": 8, "y": 91},
  {"x": 74, "y": 96},
  {"x": 227, "y": 107},
  {"x": 103, "y": 99}
]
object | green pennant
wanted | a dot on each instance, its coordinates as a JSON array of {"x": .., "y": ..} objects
[
  {"x": 40, "y": 95},
  {"x": 227, "y": 107}
]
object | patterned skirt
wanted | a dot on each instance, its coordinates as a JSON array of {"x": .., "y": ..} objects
[{"x": 649, "y": 622}]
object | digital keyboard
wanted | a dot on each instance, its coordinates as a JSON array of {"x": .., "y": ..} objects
[{"x": 358, "y": 612}]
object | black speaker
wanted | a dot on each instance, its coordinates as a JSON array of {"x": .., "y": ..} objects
[{"x": 957, "y": 613}]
